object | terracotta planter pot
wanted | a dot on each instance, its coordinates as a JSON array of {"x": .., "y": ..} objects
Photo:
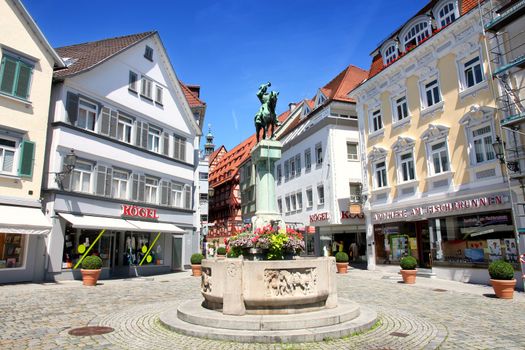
[
  {"x": 503, "y": 289},
  {"x": 90, "y": 277},
  {"x": 196, "y": 270},
  {"x": 342, "y": 267},
  {"x": 409, "y": 276}
]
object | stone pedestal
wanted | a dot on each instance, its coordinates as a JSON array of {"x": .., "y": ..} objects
[{"x": 264, "y": 155}]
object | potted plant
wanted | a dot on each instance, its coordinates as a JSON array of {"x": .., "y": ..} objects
[
  {"x": 196, "y": 260},
  {"x": 91, "y": 267},
  {"x": 408, "y": 269},
  {"x": 341, "y": 260},
  {"x": 221, "y": 252},
  {"x": 502, "y": 279}
]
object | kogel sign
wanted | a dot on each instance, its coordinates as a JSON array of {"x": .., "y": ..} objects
[{"x": 138, "y": 212}]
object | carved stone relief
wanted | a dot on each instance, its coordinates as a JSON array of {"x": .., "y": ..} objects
[
  {"x": 206, "y": 280},
  {"x": 231, "y": 270},
  {"x": 291, "y": 282}
]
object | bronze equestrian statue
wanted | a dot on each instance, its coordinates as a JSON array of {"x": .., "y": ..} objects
[{"x": 266, "y": 117}]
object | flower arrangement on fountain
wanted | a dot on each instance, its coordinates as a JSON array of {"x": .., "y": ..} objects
[{"x": 273, "y": 244}]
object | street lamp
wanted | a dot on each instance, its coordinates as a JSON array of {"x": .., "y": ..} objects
[
  {"x": 499, "y": 150},
  {"x": 211, "y": 192},
  {"x": 70, "y": 161}
]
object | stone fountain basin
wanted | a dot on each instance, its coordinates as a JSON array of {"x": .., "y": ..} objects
[{"x": 238, "y": 286}]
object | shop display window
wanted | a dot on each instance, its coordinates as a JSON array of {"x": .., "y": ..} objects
[
  {"x": 12, "y": 250},
  {"x": 77, "y": 241},
  {"x": 136, "y": 245},
  {"x": 475, "y": 239},
  {"x": 395, "y": 241}
]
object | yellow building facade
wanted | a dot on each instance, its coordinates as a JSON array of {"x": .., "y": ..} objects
[
  {"x": 26, "y": 69},
  {"x": 434, "y": 186}
]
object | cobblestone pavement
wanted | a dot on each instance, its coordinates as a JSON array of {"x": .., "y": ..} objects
[{"x": 459, "y": 316}]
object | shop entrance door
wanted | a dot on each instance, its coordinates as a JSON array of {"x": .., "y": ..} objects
[
  {"x": 176, "y": 261},
  {"x": 423, "y": 244}
]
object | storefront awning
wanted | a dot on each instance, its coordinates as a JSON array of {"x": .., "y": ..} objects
[
  {"x": 30, "y": 221},
  {"x": 149, "y": 226},
  {"x": 98, "y": 222}
]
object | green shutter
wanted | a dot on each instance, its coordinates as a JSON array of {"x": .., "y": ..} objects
[
  {"x": 27, "y": 152},
  {"x": 7, "y": 75},
  {"x": 24, "y": 79}
]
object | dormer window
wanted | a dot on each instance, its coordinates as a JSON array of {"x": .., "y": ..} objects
[
  {"x": 446, "y": 13},
  {"x": 390, "y": 54},
  {"x": 148, "y": 53},
  {"x": 416, "y": 34},
  {"x": 321, "y": 99}
]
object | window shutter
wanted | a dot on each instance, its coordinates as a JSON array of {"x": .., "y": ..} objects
[
  {"x": 25, "y": 165},
  {"x": 104, "y": 121},
  {"x": 182, "y": 149},
  {"x": 109, "y": 177},
  {"x": 165, "y": 192},
  {"x": 298, "y": 164},
  {"x": 144, "y": 138},
  {"x": 166, "y": 143},
  {"x": 135, "y": 187},
  {"x": 142, "y": 185},
  {"x": 187, "y": 197},
  {"x": 72, "y": 107},
  {"x": 24, "y": 78},
  {"x": 113, "y": 124},
  {"x": 138, "y": 133},
  {"x": 101, "y": 180},
  {"x": 8, "y": 75}
]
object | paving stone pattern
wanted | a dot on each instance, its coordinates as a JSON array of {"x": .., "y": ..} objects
[{"x": 39, "y": 316}]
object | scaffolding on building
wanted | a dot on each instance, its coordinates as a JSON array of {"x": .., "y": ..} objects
[{"x": 506, "y": 51}]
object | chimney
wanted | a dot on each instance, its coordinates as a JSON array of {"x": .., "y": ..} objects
[{"x": 291, "y": 106}]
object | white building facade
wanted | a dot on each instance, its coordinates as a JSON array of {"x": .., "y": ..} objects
[{"x": 130, "y": 197}]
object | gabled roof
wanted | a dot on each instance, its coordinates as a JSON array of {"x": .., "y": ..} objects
[
  {"x": 216, "y": 153},
  {"x": 86, "y": 56},
  {"x": 34, "y": 27},
  {"x": 191, "y": 97}
]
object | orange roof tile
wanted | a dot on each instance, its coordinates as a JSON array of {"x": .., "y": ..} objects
[
  {"x": 191, "y": 97},
  {"x": 83, "y": 57}
]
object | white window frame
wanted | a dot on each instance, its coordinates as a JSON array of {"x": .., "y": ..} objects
[
  {"x": 293, "y": 202},
  {"x": 91, "y": 110},
  {"x": 320, "y": 195},
  {"x": 293, "y": 169},
  {"x": 81, "y": 173},
  {"x": 422, "y": 30},
  {"x": 463, "y": 68},
  {"x": 287, "y": 203},
  {"x": 430, "y": 152},
  {"x": 280, "y": 205},
  {"x": 132, "y": 84},
  {"x": 307, "y": 160},
  {"x": 177, "y": 193},
  {"x": 154, "y": 136},
  {"x": 299, "y": 198},
  {"x": 375, "y": 121},
  {"x": 390, "y": 52},
  {"x": 158, "y": 94},
  {"x": 151, "y": 190},
  {"x": 309, "y": 199},
  {"x": 124, "y": 125},
  {"x": 444, "y": 20},
  {"x": 405, "y": 163},
  {"x": 278, "y": 173},
  {"x": 354, "y": 198},
  {"x": 319, "y": 154},
  {"x": 146, "y": 87},
  {"x": 397, "y": 106},
  {"x": 487, "y": 148},
  {"x": 15, "y": 150},
  {"x": 118, "y": 184},
  {"x": 382, "y": 181},
  {"x": 424, "y": 98},
  {"x": 352, "y": 156}
]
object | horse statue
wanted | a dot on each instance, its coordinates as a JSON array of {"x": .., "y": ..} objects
[{"x": 266, "y": 117}]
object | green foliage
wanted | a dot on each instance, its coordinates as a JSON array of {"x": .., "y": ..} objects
[
  {"x": 92, "y": 262},
  {"x": 341, "y": 257},
  {"x": 221, "y": 251},
  {"x": 501, "y": 270},
  {"x": 196, "y": 259},
  {"x": 232, "y": 254},
  {"x": 277, "y": 242},
  {"x": 408, "y": 263}
]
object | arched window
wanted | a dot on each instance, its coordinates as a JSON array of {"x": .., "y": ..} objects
[
  {"x": 446, "y": 13},
  {"x": 416, "y": 34},
  {"x": 390, "y": 54}
]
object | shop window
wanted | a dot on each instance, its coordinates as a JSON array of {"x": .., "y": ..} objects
[
  {"x": 12, "y": 250},
  {"x": 136, "y": 245}
]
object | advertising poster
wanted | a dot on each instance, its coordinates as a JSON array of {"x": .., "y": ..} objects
[
  {"x": 511, "y": 250},
  {"x": 494, "y": 249}
]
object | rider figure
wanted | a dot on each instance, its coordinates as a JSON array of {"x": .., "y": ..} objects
[{"x": 264, "y": 98}]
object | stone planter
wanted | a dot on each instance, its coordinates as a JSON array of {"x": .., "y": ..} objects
[
  {"x": 342, "y": 267},
  {"x": 504, "y": 289},
  {"x": 90, "y": 277},
  {"x": 239, "y": 286},
  {"x": 254, "y": 254},
  {"x": 196, "y": 270},
  {"x": 409, "y": 276}
]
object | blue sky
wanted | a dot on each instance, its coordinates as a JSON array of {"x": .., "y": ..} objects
[{"x": 229, "y": 47}]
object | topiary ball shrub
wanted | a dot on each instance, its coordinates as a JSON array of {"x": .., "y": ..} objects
[
  {"x": 501, "y": 270},
  {"x": 92, "y": 262},
  {"x": 196, "y": 259},
  {"x": 341, "y": 257},
  {"x": 221, "y": 251},
  {"x": 232, "y": 254},
  {"x": 408, "y": 263}
]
